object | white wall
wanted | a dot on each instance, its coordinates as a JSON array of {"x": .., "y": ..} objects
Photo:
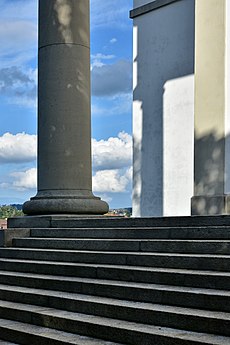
[
  {"x": 178, "y": 109},
  {"x": 227, "y": 100},
  {"x": 163, "y": 110}
]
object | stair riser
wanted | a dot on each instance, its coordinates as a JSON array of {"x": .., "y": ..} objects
[
  {"x": 110, "y": 332},
  {"x": 161, "y": 318},
  {"x": 132, "y": 233},
  {"x": 137, "y": 339},
  {"x": 157, "y": 260},
  {"x": 182, "y": 299},
  {"x": 106, "y": 222},
  {"x": 127, "y": 246},
  {"x": 142, "y": 276},
  {"x": 26, "y": 338}
]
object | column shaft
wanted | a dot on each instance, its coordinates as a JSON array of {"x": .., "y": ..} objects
[{"x": 64, "y": 119}]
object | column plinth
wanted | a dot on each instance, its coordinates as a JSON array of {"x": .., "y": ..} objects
[{"x": 64, "y": 116}]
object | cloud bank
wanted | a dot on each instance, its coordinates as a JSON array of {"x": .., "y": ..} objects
[
  {"x": 111, "y": 161},
  {"x": 19, "y": 148}
]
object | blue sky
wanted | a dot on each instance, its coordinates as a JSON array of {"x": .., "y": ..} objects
[{"x": 111, "y": 68}]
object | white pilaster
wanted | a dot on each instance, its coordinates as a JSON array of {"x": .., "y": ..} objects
[{"x": 211, "y": 183}]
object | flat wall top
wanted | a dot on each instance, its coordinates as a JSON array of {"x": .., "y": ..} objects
[
  {"x": 138, "y": 3},
  {"x": 148, "y": 7}
]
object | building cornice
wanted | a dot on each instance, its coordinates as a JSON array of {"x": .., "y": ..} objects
[{"x": 151, "y": 6}]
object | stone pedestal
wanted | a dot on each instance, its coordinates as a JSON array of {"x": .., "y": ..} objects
[
  {"x": 64, "y": 121},
  {"x": 212, "y": 117}
]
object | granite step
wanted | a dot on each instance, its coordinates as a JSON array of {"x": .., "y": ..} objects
[
  {"x": 145, "y": 259},
  {"x": 155, "y": 275},
  {"x": 148, "y": 313},
  {"x": 56, "y": 221},
  {"x": 202, "y": 232},
  {"x": 161, "y": 294},
  {"x": 105, "y": 328},
  {"x": 221, "y": 247},
  {"x": 96, "y": 260},
  {"x": 32, "y": 284},
  {"x": 28, "y": 334}
]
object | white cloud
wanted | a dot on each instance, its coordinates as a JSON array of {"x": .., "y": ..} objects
[
  {"x": 114, "y": 153},
  {"x": 18, "y": 148},
  {"x": 111, "y": 160},
  {"x": 113, "y": 40},
  {"x": 112, "y": 79},
  {"x": 100, "y": 56},
  {"x": 110, "y": 181},
  {"x": 104, "y": 181},
  {"x": 26, "y": 179},
  {"x": 97, "y": 59}
]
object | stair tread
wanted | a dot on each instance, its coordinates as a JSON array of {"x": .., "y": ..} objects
[
  {"x": 116, "y": 324},
  {"x": 122, "y": 267},
  {"x": 49, "y": 333},
  {"x": 56, "y": 239},
  {"x": 195, "y": 290},
  {"x": 116, "y": 302}
]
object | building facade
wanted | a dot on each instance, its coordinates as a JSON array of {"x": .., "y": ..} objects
[
  {"x": 163, "y": 106},
  {"x": 181, "y": 113}
]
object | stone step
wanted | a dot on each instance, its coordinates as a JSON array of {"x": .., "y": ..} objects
[
  {"x": 148, "y": 313},
  {"x": 106, "y": 328},
  {"x": 202, "y": 232},
  {"x": 155, "y": 275},
  {"x": 29, "y": 334},
  {"x": 3, "y": 342},
  {"x": 33, "y": 284},
  {"x": 144, "y": 259},
  {"x": 93, "y": 259},
  {"x": 112, "y": 222},
  {"x": 221, "y": 247}
]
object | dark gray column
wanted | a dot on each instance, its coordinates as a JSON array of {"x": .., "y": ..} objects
[{"x": 64, "y": 119}]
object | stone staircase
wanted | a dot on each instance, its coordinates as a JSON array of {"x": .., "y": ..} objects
[{"x": 123, "y": 281}]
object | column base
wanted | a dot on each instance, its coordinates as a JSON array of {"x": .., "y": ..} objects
[
  {"x": 205, "y": 205},
  {"x": 51, "y": 203}
]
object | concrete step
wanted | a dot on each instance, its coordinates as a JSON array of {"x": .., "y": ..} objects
[
  {"x": 201, "y": 232},
  {"x": 221, "y": 247},
  {"x": 33, "y": 284},
  {"x": 148, "y": 313},
  {"x": 112, "y": 222},
  {"x": 29, "y": 334},
  {"x": 107, "y": 328},
  {"x": 81, "y": 258},
  {"x": 3, "y": 342}
]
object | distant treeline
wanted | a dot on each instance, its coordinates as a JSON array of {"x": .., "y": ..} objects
[{"x": 7, "y": 211}]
